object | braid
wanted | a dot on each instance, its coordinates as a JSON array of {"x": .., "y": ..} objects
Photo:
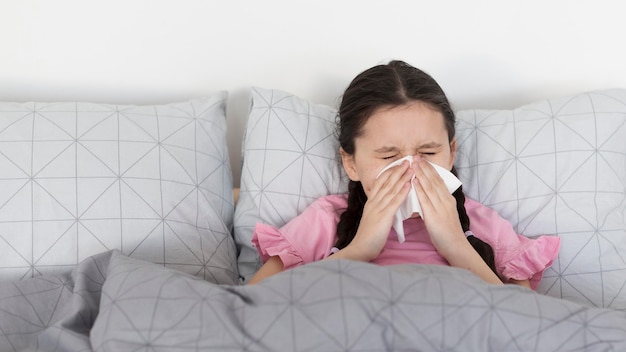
[
  {"x": 483, "y": 248},
  {"x": 351, "y": 218}
]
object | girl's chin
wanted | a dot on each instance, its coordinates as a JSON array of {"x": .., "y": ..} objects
[{"x": 415, "y": 216}]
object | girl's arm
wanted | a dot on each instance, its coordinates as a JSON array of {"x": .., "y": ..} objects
[
  {"x": 384, "y": 199},
  {"x": 442, "y": 222},
  {"x": 272, "y": 266},
  {"x": 462, "y": 255}
]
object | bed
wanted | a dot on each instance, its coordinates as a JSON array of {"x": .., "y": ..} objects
[{"x": 119, "y": 231}]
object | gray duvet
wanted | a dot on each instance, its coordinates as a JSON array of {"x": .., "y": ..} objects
[{"x": 114, "y": 303}]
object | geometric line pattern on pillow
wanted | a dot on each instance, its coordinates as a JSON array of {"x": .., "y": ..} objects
[
  {"x": 290, "y": 158},
  {"x": 78, "y": 179},
  {"x": 557, "y": 167}
]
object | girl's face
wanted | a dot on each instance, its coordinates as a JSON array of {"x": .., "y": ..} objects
[{"x": 395, "y": 132}]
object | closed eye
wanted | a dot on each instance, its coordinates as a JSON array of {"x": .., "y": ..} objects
[{"x": 389, "y": 157}]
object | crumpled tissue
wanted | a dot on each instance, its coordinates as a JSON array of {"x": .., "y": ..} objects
[{"x": 411, "y": 204}]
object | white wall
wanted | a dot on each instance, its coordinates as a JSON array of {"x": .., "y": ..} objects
[{"x": 485, "y": 53}]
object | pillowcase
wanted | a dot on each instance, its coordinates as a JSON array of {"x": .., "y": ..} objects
[
  {"x": 153, "y": 181},
  {"x": 290, "y": 158},
  {"x": 557, "y": 167}
]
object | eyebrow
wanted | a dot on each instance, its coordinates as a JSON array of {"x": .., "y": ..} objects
[
  {"x": 387, "y": 149},
  {"x": 430, "y": 145}
]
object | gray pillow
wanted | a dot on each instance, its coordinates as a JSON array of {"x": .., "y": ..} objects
[
  {"x": 153, "y": 181},
  {"x": 290, "y": 158},
  {"x": 557, "y": 167}
]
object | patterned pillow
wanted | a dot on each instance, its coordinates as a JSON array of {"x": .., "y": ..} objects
[
  {"x": 557, "y": 167},
  {"x": 154, "y": 181},
  {"x": 290, "y": 158}
]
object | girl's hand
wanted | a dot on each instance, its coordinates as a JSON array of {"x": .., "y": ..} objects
[
  {"x": 439, "y": 210},
  {"x": 387, "y": 194},
  {"x": 441, "y": 217}
]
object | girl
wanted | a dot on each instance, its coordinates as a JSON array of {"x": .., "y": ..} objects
[{"x": 386, "y": 113}]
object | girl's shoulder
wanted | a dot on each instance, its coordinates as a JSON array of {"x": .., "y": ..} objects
[
  {"x": 335, "y": 203},
  {"x": 471, "y": 203},
  {"x": 485, "y": 219},
  {"x": 475, "y": 208}
]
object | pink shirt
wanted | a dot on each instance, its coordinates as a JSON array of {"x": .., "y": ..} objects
[{"x": 311, "y": 235}]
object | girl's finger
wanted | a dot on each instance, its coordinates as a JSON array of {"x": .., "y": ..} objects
[
  {"x": 393, "y": 178},
  {"x": 430, "y": 181},
  {"x": 432, "y": 190}
]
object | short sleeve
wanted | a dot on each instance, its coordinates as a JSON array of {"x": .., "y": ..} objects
[
  {"x": 307, "y": 238},
  {"x": 517, "y": 257}
]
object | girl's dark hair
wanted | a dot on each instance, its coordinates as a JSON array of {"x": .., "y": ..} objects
[{"x": 394, "y": 84}]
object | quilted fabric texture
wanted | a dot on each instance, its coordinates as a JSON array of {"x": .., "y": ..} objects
[
  {"x": 290, "y": 158},
  {"x": 557, "y": 167},
  {"x": 80, "y": 178}
]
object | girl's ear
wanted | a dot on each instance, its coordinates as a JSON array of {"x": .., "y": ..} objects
[
  {"x": 348, "y": 165},
  {"x": 452, "y": 153}
]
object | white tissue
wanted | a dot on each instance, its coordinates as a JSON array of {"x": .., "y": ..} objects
[{"x": 411, "y": 204}]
